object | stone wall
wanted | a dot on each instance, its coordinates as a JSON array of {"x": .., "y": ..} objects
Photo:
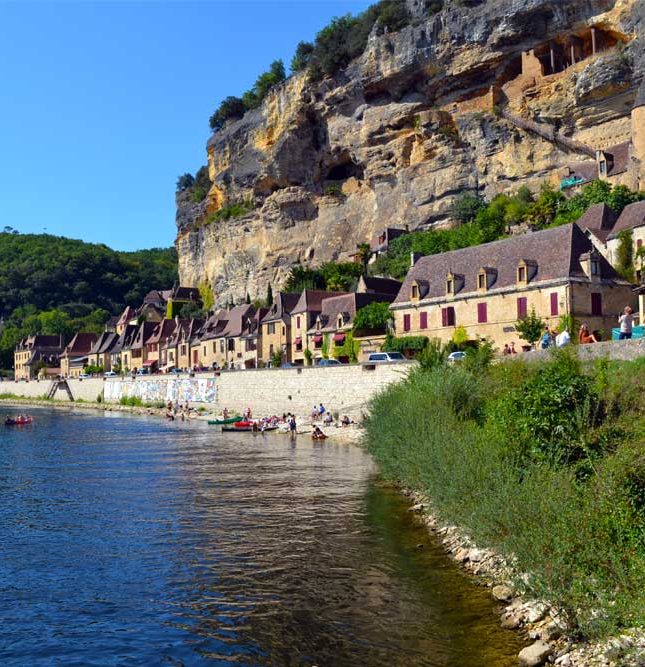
[
  {"x": 618, "y": 350},
  {"x": 85, "y": 390}
]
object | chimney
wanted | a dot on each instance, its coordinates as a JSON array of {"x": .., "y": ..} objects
[{"x": 414, "y": 258}]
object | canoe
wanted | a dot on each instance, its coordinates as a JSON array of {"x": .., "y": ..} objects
[
  {"x": 247, "y": 429},
  {"x": 230, "y": 420},
  {"x": 9, "y": 421}
]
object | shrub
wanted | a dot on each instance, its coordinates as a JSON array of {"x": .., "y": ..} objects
[
  {"x": 530, "y": 327},
  {"x": 409, "y": 344},
  {"x": 230, "y": 107},
  {"x": 230, "y": 211},
  {"x": 132, "y": 401},
  {"x": 201, "y": 186},
  {"x": 373, "y": 317},
  {"x": 184, "y": 182},
  {"x": 302, "y": 56},
  {"x": 308, "y": 356}
]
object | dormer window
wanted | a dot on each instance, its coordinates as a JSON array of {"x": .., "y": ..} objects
[
  {"x": 340, "y": 321},
  {"x": 485, "y": 278},
  {"x": 595, "y": 267},
  {"x": 481, "y": 281},
  {"x": 526, "y": 270},
  {"x": 415, "y": 292},
  {"x": 450, "y": 286},
  {"x": 454, "y": 283}
]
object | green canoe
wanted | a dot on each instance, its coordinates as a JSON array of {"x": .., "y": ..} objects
[{"x": 230, "y": 420}]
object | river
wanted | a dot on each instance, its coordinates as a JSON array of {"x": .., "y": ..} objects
[{"x": 131, "y": 541}]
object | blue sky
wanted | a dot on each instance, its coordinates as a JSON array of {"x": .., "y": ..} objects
[{"x": 104, "y": 104}]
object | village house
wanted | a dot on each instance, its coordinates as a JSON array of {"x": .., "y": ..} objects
[
  {"x": 175, "y": 351},
  {"x": 35, "y": 352},
  {"x": 303, "y": 317},
  {"x": 229, "y": 349},
  {"x": 161, "y": 333},
  {"x": 251, "y": 338},
  {"x": 487, "y": 288},
  {"x": 632, "y": 223},
  {"x": 100, "y": 353},
  {"x": 276, "y": 327},
  {"x": 186, "y": 337},
  {"x": 203, "y": 349},
  {"x": 128, "y": 316},
  {"x": 328, "y": 335},
  {"x": 75, "y": 355},
  {"x": 378, "y": 285},
  {"x": 119, "y": 355},
  {"x": 134, "y": 355}
]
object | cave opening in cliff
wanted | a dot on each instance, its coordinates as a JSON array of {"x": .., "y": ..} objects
[{"x": 344, "y": 170}]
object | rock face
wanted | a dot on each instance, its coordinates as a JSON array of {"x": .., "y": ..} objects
[
  {"x": 406, "y": 128},
  {"x": 535, "y": 655}
]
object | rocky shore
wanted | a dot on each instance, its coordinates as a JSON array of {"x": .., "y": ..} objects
[{"x": 551, "y": 642}]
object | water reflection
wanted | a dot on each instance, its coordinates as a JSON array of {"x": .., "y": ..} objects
[{"x": 130, "y": 541}]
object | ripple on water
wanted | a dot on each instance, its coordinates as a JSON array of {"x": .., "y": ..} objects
[{"x": 130, "y": 541}]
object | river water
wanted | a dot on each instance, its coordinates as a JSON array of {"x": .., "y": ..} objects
[{"x": 130, "y": 541}]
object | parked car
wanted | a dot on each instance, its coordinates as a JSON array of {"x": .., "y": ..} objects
[
  {"x": 456, "y": 356},
  {"x": 329, "y": 362},
  {"x": 385, "y": 357},
  {"x": 110, "y": 374},
  {"x": 83, "y": 376},
  {"x": 144, "y": 370}
]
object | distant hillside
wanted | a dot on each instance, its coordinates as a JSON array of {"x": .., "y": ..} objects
[{"x": 73, "y": 282}]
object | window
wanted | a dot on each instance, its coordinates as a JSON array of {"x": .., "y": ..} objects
[
  {"x": 423, "y": 320},
  {"x": 221, "y": 345},
  {"x": 521, "y": 274},
  {"x": 554, "y": 303},
  {"x": 406, "y": 323},
  {"x": 298, "y": 322},
  {"x": 449, "y": 286},
  {"x": 214, "y": 347},
  {"x": 522, "y": 309},
  {"x": 415, "y": 291},
  {"x": 448, "y": 317},
  {"x": 603, "y": 167},
  {"x": 271, "y": 350},
  {"x": 595, "y": 267},
  {"x": 231, "y": 344},
  {"x": 284, "y": 330},
  {"x": 271, "y": 328},
  {"x": 482, "y": 313},
  {"x": 481, "y": 281},
  {"x": 596, "y": 303}
]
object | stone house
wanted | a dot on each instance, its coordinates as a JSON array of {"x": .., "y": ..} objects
[
  {"x": 631, "y": 220},
  {"x": 101, "y": 352},
  {"x": 276, "y": 327},
  {"x": 75, "y": 355},
  {"x": 251, "y": 338},
  {"x": 229, "y": 348},
  {"x": 204, "y": 348},
  {"x": 486, "y": 288},
  {"x": 161, "y": 333},
  {"x": 335, "y": 321},
  {"x": 37, "y": 350},
  {"x": 378, "y": 285},
  {"x": 175, "y": 351},
  {"x": 118, "y": 357},
  {"x": 303, "y": 317},
  {"x": 134, "y": 355},
  {"x": 128, "y": 316}
]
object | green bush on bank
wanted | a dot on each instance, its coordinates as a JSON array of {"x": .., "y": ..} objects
[{"x": 540, "y": 462}]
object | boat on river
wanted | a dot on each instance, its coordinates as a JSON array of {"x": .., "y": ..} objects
[
  {"x": 247, "y": 427},
  {"x": 18, "y": 421},
  {"x": 230, "y": 420}
]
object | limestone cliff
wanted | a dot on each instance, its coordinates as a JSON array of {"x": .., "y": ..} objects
[{"x": 424, "y": 114}]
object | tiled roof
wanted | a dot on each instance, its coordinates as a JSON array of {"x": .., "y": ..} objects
[
  {"x": 598, "y": 219},
  {"x": 311, "y": 301},
  {"x": 632, "y": 216},
  {"x": 126, "y": 316},
  {"x": 104, "y": 343},
  {"x": 163, "y": 330},
  {"x": 619, "y": 158},
  {"x": 236, "y": 320},
  {"x": 282, "y": 307},
  {"x": 186, "y": 294},
  {"x": 81, "y": 344},
  {"x": 378, "y": 285},
  {"x": 126, "y": 338},
  {"x": 252, "y": 324},
  {"x": 345, "y": 305},
  {"x": 556, "y": 252},
  {"x": 144, "y": 332},
  {"x": 41, "y": 341},
  {"x": 588, "y": 170},
  {"x": 214, "y": 325}
]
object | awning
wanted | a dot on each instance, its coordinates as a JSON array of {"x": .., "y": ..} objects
[
  {"x": 298, "y": 340},
  {"x": 339, "y": 338},
  {"x": 318, "y": 338},
  {"x": 149, "y": 362}
]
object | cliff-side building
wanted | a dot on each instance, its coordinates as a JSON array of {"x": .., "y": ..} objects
[
  {"x": 75, "y": 355},
  {"x": 37, "y": 351},
  {"x": 487, "y": 288},
  {"x": 276, "y": 327}
]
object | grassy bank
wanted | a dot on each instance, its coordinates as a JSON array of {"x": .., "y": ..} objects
[{"x": 543, "y": 463}]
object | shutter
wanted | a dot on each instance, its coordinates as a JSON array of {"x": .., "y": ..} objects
[
  {"x": 521, "y": 307},
  {"x": 444, "y": 317},
  {"x": 451, "y": 316},
  {"x": 554, "y": 303},
  {"x": 406, "y": 323},
  {"x": 482, "y": 313},
  {"x": 423, "y": 320},
  {"x": 596, "y": 303}
]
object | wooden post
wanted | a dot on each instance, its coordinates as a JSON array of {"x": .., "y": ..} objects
[
  {"x": 573, "y": 53},
  {"x": 593, "y": 41},
  {"x": 552, "y": 54}
]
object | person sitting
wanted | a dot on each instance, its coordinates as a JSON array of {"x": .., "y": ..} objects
[
  {"x": 314, "y": 414},
  {"x": 507, "y": 350},
  {"x": 329, "y": 419},
  {"x": 563, "y": 338},
  {"x": 585, "y": 336},
  {"x": 318, "y": 434},
  {"x": 345, "y": 421},
  {"x": 547, "y": 339},
  {"x": 512, "y": 348}
]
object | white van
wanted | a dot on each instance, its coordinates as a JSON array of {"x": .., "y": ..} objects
[{"x": 385, "y": 357}]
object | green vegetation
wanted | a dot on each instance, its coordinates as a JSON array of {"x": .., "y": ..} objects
[
  {"x": 539, "y": 461},
  {"x": 234, "y": 107},
  {"x": 373, "y": 317},
  {"x": 135, "y": 402},
  {"x": 625, "y": 255},
  {"x": 405, "y": 344},
  {"x": 485, "y": 222},
  {"x": 349, "y": 349},
  {"x": 329, "y": 276},
  {"x": 54, "y": 285},
  {"x": 530, "y": 327},
  {"x": 232, "y": 210}
]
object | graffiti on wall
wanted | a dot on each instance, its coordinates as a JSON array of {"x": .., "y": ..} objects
[{"x": 193, "y": 390}]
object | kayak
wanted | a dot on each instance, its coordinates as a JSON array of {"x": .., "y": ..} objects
[
  {"x": 230, "y": 420},
  {"x": 247, "y": 428},
  {"x": 20, "y": 421}
]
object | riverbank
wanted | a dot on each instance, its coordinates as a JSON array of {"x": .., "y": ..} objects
[
  {"x": 541, "y": 469},
  {"x": 352, "y": 434}
]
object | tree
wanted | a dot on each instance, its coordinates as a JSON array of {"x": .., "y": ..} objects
[
  {"x": 466, "y": 207},
  {"x": 184, "y": 182},
  {"x": 276, "y": 359},
  {"x": 230, "y": 107},
  {"x": 269, "y": 295},
  {"x": 460, "y": 337},
  {"x": 202, "y": 184},
  {"x": 373, "y": 317},
  {"x": 206, "y": 295},
  {"x": 302, "y": 56},
  {"x": 248, "y": 298},
  {"x": 625, "y": 255},
  {"x": 530, "y": 327},
  {"x": 364, "y": 254}
]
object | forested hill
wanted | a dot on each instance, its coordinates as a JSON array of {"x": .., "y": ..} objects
[{"x": 54, "y": 284}]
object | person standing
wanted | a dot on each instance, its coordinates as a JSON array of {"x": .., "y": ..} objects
[
  {"x": 626, "y": 321},
  {"x": 292, "y": 427}
]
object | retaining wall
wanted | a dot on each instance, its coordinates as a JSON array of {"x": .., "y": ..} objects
[
  {"x": 86, "y": 390},
  {"x": 619, "y": 350}
]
